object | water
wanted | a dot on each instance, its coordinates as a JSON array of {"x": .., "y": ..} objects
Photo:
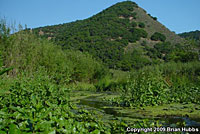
[{"x": 110, "y": 112}]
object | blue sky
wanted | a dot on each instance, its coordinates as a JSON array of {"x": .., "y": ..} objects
[{"x": 177, "y": 15}]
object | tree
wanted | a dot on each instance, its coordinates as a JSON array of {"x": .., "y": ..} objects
[
  {"x": 158, "y": 36},
  {"x": 141, "y": 25}
]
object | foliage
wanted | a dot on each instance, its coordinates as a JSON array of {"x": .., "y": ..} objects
[
  {"x": 2, "y": 69},
  {"x": 133, "y": 60},
  {"x": 103, "y": 35},
  {"x": 158, "y": 36},
  {"x": 34, "y": 95},
  {"x": 36, "y": 105},
  {"x": 141, "y": 25},
  {"x": 182, "y": 56},
  {"x": 161, "y": 84},
  {"x": 169, "y": 52},
  {"x": 191, "y": 35},
  {"x": 154, "y": 18},
  {"x": 24, "y": 51},
  {"x": 85, "y": 67}
]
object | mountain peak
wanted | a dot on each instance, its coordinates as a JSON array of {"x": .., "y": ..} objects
[{"x": 120, "y": 9}]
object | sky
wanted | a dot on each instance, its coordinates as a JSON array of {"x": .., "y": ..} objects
[{"x": 177, "y": 15}]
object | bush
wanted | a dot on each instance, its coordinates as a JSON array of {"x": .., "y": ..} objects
[
  {"x": 155, "y": 18},
  {"x": 158, "y": 36},
  {"x": 85, "y": 68},
  {"x": 141, "y": 25},
  {"x": 182, "y": 56},
  {"x": 137, "y": 33},
  {"x": 134, "y": 24}
]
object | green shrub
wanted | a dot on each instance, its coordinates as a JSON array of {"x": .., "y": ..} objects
[
  {"x": 155, "y": 18},
  {"x": 144, "y": 43},
  {"x": 134, "y": 24},
  {"x": 182, "y": 56},
  {"x": 158, "y": 36},
  {"x": 136, "y": 34},
  {"x": 104, "y": 84},
  {"x": 141, "y": 25},
  {"x": 84, "y": 68},
  {"x": 133, "y": 60}
]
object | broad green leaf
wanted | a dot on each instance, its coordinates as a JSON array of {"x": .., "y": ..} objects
[
  {"x": 13, "y": 129},
  {"x": 2, "y": 132},
  {"x": 96, "y": 131}
]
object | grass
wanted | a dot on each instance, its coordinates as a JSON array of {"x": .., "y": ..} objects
[{"x": 82, "y": 86}]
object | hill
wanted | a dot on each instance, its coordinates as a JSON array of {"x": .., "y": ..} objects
[
  {"x": 123, "y": 36},
  {"x": 191, "y": 35}
]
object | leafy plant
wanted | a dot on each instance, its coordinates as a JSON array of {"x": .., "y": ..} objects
[
  {"x": 161, "y": 84},
  {"x": 158, "y": 36},
  {"x": 141, "y": 25}
]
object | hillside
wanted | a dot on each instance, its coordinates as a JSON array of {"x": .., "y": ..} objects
[
  {"x": 123, "y": 36},
  {"x": 191, "y": 35}
]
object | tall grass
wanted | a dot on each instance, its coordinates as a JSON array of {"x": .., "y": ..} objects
[{"x": 26, "y": 53}]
